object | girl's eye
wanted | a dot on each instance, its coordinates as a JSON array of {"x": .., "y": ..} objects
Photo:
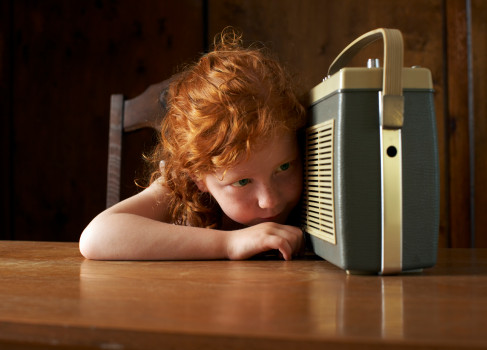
[
  {"x": 241, "y": 183},
  {"x": 284, "y": 167}
]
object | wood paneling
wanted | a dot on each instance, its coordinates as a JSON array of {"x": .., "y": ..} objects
[
  {"x": 5, "y": 118},
  {"x": 61, "y": 60},
  {"x": 479, "y": 52},
  {"x": 458, "y": 123},
  {"x": 69, "y": 56}
]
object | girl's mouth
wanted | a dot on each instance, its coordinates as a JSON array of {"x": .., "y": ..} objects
[{"x": 275, "y": 218}]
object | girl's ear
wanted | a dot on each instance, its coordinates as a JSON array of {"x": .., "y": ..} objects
[{"x": 201, "y": 184}]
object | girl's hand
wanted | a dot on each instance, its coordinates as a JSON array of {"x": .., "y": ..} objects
[{"x": 247, "y": 242}]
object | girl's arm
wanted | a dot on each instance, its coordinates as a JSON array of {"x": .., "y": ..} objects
[{"x": 138, "y": 229}]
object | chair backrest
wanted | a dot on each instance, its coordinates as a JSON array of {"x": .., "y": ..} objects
[{"x": 143, "y": 111}]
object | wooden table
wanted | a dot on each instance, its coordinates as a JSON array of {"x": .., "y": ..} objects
[{"x": 52, "y": 297}]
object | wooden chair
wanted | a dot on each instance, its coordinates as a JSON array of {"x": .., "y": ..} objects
[{"x": 143, "y": 111}]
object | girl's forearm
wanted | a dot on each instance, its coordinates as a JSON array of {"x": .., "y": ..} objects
[{"x": 123, "y": 236}]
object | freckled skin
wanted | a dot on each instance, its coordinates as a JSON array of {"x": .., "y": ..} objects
[{"x": 265, "y": 187}]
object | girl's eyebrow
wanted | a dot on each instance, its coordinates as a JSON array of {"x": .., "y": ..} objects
[
  {"x": 230, "y": 175},
  {"x": 226, "y": 176},
  {"x": 230, "y": 178}
]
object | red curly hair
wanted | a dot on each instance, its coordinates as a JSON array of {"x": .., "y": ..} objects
[{"x": 218, "y": 110}]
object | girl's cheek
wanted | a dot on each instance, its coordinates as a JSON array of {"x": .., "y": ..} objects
[
  {"x": 293, "y": 177},
  {"x": 293, "y": 185},
  {"x": 236, "y": 195}
]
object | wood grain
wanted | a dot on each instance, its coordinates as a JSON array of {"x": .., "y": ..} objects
[
  {"x": 6, "y": 78},
  {"x": 479, "y": 52},
  {"x": 69, "y": 58},
  {"x": 60, "y": 62},
  {"x": 458, "y": 124},
  {"x": 115, "y": 149},
  {"x": 52, "y": 296}
]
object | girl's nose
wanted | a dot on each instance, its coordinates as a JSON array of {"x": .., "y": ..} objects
[{"x": 268, "y": 197}]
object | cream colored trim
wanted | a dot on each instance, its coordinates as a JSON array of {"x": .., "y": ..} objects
[
  {"x": 391, "y": 189},
  {"x": 368, "y": 78}
]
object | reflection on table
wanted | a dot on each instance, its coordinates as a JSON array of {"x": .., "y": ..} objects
[{"x": 51, "y": 295}]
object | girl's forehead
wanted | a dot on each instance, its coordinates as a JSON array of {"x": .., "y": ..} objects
[
  {"x": 278, "y": 139},
  {"x": 281, "y": 147}
]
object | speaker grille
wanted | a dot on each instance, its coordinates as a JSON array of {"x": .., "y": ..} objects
[{"x": 318, "y": 213}]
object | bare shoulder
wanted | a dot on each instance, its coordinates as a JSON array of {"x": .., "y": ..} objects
[{"x": 151, "y": 203}]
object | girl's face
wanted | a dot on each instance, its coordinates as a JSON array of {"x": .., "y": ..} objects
[{"x": 264, "y": 187}]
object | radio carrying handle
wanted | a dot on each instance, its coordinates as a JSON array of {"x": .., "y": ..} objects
[
  {"x": 393, "y": 105},
  {"x": 391, "y": 116}
]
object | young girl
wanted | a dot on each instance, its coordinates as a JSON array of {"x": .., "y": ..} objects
[{"x": 229, "y": 171}]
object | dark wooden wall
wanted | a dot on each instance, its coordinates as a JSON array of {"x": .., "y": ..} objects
[{"x": 60, "y": 60}]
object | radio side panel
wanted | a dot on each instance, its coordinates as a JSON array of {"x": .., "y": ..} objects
[
  {"x": 421, "y": 181},
  {"x": 356, "y": 179},
  {"x": 357, "y": 187}
]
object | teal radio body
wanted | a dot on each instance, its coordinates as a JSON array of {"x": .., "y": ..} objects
[{"x": 371, "y": 193}]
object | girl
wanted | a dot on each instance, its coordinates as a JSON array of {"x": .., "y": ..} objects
[{"x": 229, "y": 171}]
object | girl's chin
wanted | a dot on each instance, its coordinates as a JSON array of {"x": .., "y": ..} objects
[
  {"x": 232, "y": 224},
  {"x": 279, "y": 219}
]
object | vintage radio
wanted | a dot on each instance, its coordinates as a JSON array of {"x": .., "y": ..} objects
[{"x": 371, "y": 193}]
